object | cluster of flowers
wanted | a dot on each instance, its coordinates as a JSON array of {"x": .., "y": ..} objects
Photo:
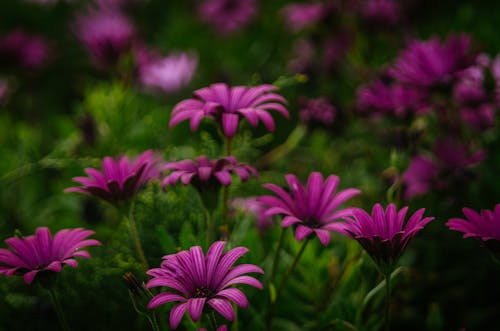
[{"x": 199, "y": 282}]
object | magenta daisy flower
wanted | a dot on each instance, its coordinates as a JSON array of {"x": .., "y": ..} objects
[
  {"x": 313, "y": 209},
  {"x": 205, "y": 174},
  {"x": 227, "y": 104},
  {"x": 40, "y": 252},
  {"x": 253, "y": 206},
  {"x": 120, "y": 179},
  {"x": 21, "y": 49},
  {"x": 227, "y": 16},
  {"x": 420, "y": 176},
  {"x": 195, "y": 280},
  {"x": 383, "y": 12},
  {"x": 383, "y": 233},
  {"x": 431, "y": 62},
  {"x": 301, "y": 15},
  {"x": 318, "y": 111},
  {"x": 484, "y": 227}
]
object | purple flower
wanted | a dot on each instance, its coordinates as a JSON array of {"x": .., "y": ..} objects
[
  {"x": 227, "y": 104},
  {"x": 303, "y": 54},
  {"x": 480, "y": 117},
  {"x": 484, "y": 227},
  {"x": 431, "y": 62},
  {"x": 195, "y": 280},
  {"x": 420, "y": 176},
  {"x": 318, "y": 111},
  {"x": 4, "y": 89},
  {"x": 120, "y": 179},
  {"x": 300, "y": 15},
  {"x": 310, "y": 210},
  {"x": 168, "y": 74},
  {"x": 21, "y": 49},
  {"x": 220, "y": 328},
  {"x": 255, "y": 207},
  {"x": 383, "y": 12},
  {"x": 40, "y": 252},
  {"x": 382, "y": 234},
  {"x": 205, "y": 174},
  {"x": 396, "y": 99},
  {"x": 106, "y": 33},
  {"x": 455, "y": 156},
  {"x": 227, "y": 15},
  {"x": 335, "y": 48}
]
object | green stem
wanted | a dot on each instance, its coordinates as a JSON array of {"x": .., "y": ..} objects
[
  {"x": 282, "y": 150},
  {"x": 387, "y": 301},
  {"x": 210, "y": 227},
  {"x": 225, "y": 192},
  {"x": 213, "y": 321},
  {"x": 136, "y": 240},
  {"x": 58, "y": 308},
  {"x": 277, "y": 255}
]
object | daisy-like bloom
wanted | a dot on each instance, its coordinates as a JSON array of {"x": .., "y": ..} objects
[
  {"x": 40, "y": 252},
  {"x": 456, "y": 156},
  {"x": 420, "y": 176},
  {"x": 21, "y": 49},
  {"x": 227, "y": 104},
  {"x": 303, "y": 54},
  {"x": 120, "y": 178},
  {"x": 205, "y": 174},
  {"x": 383, "y": 234},
  {"x": 168, "y": 74},
  {"x": 196, "y": 280},
  {"x": 480, "y": 117},
  {"x": 318, "y": 111},
  {"x": 381, "y": 98},
  {"x": 383, "y": 12},
  {"x": 227, "y": 16},
  {"x": 311, "y": 210},
  {"x": 431, "y": 62},
  {"x": 253, "y": 206},
  {"x": 300, "y": 15},
  {"x": 484, "y": 227},
  {"x": 106, "y": 33}
]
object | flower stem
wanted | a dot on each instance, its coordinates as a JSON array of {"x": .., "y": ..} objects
[
  {"x": 135, "y": 239},
  {"x": 58, "y": 308},
  {"x": 387, "y": 301},
  {"x": 210, "y": 227},
  {"x": 225, "y": 192},
  {"x": 213, "y": 321},
  {"x": 277, "y": 255}
]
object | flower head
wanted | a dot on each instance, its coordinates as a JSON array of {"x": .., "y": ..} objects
[
  {"x": 318, "y": 110},
  {"x": 484, "y": 227},
  {"x": 106, "y": 33},
  {"x": 420, "y": 176},
  {"x": 311, "y": 210},
  {"x": 21, "y": 49},
  {"x": 431, "y": 62},
  {"x": 40, "y": 252},
  {"x": 383, "y": 234},
  {"x": 385, "y": 12},
  {"x": 168, "y": 74},
  {"x": 195, "y": 280},
  {"x": 300, "y": 15},
  {"x": 206, "y": 174},
  {"x": 255, "y": 207},
  {"x": 227, "y": 104},
  {"x": 120, "y": 179},
  {"x": 227, "y": 15}
]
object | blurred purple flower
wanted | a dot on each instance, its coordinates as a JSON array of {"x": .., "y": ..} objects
[
  {"x": 195, "y": 280},
  {"x": 220, "y": 328},
  {"x": 381, "y": 12},
  {"x": 40, "y": 252},
  {"x": 456, "y": 156},
  {"x": 258, "y": 209},
  {"x": 106, "y": 33},
  {"x": 431, "y": 62},
  {"x": 29, "y": 51},
  {"x": 303, "y": 53},
  {"x": 4, "y": 89},
  {"x": 227, "y": 15},
  {"x": 120, "y": 179},
  {"x": 310, "y": 210},
  {"x": 382, "y": 234},
  {"x": 318, "y": 110},
  {"x": 480, "y": 117},
  {"x": 205, "y": 174},
  {"x": 227, "y": 104},
  {"x": 420, "y": 176},
  {"x": 301, "y": 15},
  {"x": 335, "y": 48},
  {"x": 484, "y": 227},
  {"x": 168, "y": 74},
  {"x": 381, "y": 98}
]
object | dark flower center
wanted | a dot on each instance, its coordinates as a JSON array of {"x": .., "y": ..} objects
[
  {"x": 203, "y": 292},
  {"x": 312, "y": 222}
]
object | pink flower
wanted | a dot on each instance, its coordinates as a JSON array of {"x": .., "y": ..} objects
[
  {"x": 318, "y": 111},
  {"x": 195, "y": 280},
  {"x": 227, "y": 15},
  {"x": 383, "y": 234},
  {"x": 106, "y": 33},
  {"x": 253, "y": 206},
  {"x": 227, "y": 105},
  {"x": 310, "y": 210},
  {"x": 40, "y": 252},
  {"x": 120, "y": 179},
  {"x": 420, "y": 176},
  {"x": 431, "y": 62},
  {"x": 384, "y": 12},
  {"x": 168, "y": 74},
  {"x": 300, "y": 15},
  {"x": 484, "y": 227},
  {"x": 21, "y": 49}
]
